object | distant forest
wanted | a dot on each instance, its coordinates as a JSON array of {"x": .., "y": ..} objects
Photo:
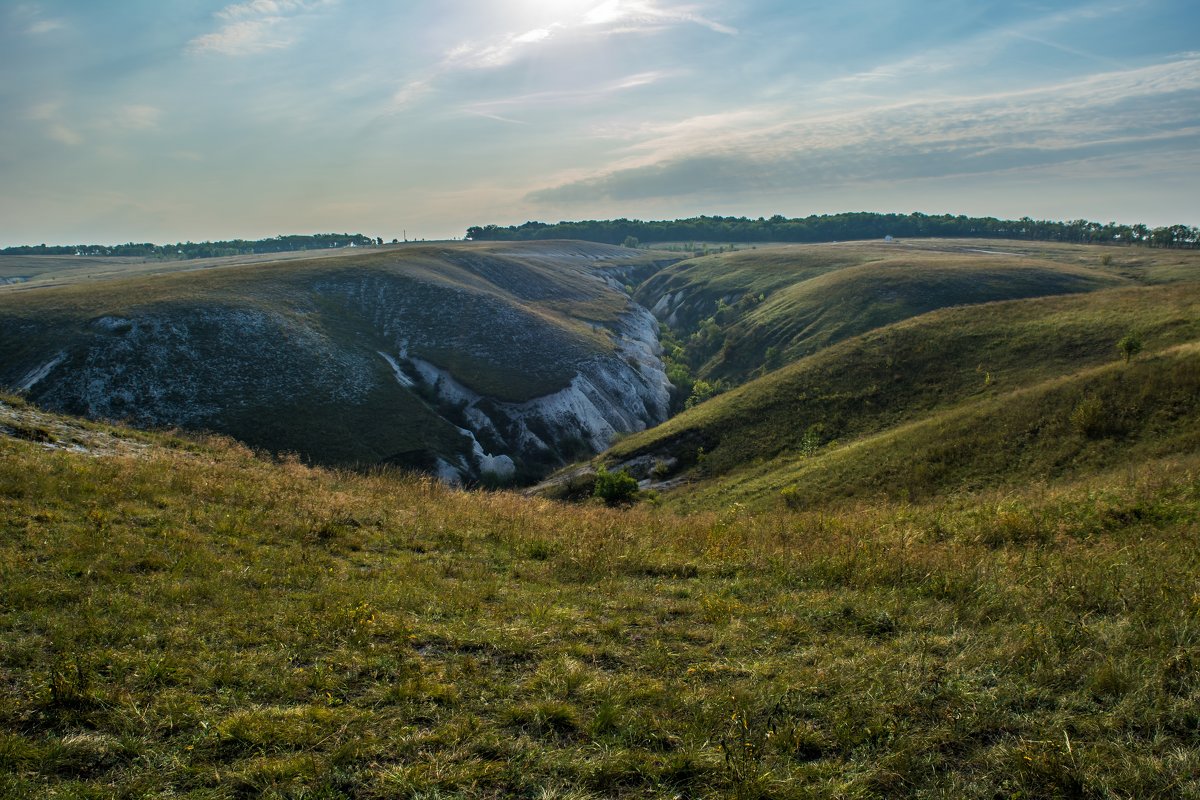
[
  {"x": 189, "y": 250},
  {"x": 837, "y": 227}
]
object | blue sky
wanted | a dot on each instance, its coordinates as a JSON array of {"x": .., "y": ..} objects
[{"x": 150, "y": 121}]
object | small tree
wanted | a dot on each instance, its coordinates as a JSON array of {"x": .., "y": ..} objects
[
  {"x": 1130, "y": 345},
  {"x": 615, "y": 488},
  {"x": 632, "y": 242}
]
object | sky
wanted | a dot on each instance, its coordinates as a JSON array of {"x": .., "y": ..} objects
[{"x": 139, "y": 120}]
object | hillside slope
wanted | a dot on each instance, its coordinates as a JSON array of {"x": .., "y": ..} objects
[
  {"x": 740, "y": 313},
  {"x": 181, "y": 618},
  {"x": 981, "y": 365},
  {"x": 464, "y": 359}
]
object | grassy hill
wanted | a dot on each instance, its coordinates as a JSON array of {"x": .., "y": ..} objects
[
  {"x": 381, "y": 356},
  {"x": 943, "y": 554},
  {"x": 179, "y": 617},
  {"x": 956, "y": 399},
  {"x": 741, "y": 312}
]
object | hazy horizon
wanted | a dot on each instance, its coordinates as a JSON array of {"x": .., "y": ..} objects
[{"x": 209, "y": 120}]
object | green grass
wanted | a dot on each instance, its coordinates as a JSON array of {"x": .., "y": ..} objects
[
  {"x": 187, "y": 619},
  {"x": 965, "y": 364},
  {"x": 1116, "y": 416},
  {"x": 775, "y": 305}
]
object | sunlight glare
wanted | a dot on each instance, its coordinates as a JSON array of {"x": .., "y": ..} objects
[{"x": 551, "y": 11}]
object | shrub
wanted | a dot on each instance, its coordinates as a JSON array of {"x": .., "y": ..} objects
[
  {"x": 1130, "y": 345},
  {"x": 1091, "y": 418},
  {"x": 615, "y": 488},
  {"x": 791, "y": 497}
]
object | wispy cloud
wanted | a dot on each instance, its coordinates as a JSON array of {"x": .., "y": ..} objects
[
  {"x": 560, "y": 98},
  {"x": 262, "y": 8},
  {"x": 32, "y": 18},
  {"x": 634, "y": 14},
  {"x": 609, "y": 18},
  {"x": 969, "y": 53},
  {"x": 49, "y": 116},
  {"x": 497, "y": 52},
  {"x": 140, "y": 117},
  {"x": 254, "y": 27},
  {"x": 63, "y": 135},
  {"x": 1151, "y": 109},
  {"x": 44, "y": 26}
]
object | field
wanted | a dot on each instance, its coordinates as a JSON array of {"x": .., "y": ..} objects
[{"x": 184, "y": 618}]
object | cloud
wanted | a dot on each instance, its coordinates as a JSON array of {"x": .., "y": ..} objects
[
  {"x": 609, "y": 18},
  {"x": 1151, "y": 110},
  {"x": 140, "y": 117},
  {"x": 629, "y": 15},
  {"x": 246, "y": 37},
  {"x": 497, "y": 52},
  {"x": 44, "y": 26},
  {"x": 557, "y": 99},
  {"x": 411, "y": 92},
  {"x": 63, "y": 135},
  {"x": 976, "y": 50},
  {"x": 68, "y": 125},
  {"x": 31, "y": 18},
  {"x": 254, "y": 27},
  {"x": 49, "y": 114},
  {"x": 262, "y": 8}
]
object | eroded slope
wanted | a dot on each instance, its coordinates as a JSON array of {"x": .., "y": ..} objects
[
  {"x": 1040, "y": 380},
  {"x": 462, "y": 359}
]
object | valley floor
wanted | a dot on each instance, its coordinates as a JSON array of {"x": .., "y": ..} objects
[{"x": 180, "y": 617}]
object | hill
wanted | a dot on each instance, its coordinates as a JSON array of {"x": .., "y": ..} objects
[
  {"x": 738, "y": 313},
  {"x": 958, "y": 399},
  {"x": 180, "y": 617},
  {"x": 471, "y": 360}
]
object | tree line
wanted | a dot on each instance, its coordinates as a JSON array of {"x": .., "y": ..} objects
[
  {"x": 189, "y": 250},
  {"x": 837, "y": 227}
]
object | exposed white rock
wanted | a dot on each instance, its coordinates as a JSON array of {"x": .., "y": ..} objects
[
  {"x": 112, "y": 324},
  {"x": 445, "y": 384},
  {"x": 401, "y": 378},
  {"x": 610, "y": 394},
  {"x": 482, "y": 423},
  {"x": 500, "y": 466},
  {"x": 447, "y": 474},
  {"x": 35, "y": 376}
]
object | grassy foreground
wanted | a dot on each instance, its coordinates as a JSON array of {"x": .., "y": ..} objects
[{"x": 185, "y": 619}]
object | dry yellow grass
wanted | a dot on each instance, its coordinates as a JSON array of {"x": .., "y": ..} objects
[{"x": 193, "y": 620}]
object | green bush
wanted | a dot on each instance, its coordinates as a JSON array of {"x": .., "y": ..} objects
[
  {"x": 1091, "y": 418},
  {"x": 615, "y": 488},
  {"x": 1130, "y": 345}
]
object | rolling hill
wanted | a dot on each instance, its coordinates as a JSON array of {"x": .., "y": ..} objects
[
  {"x": 498, "y": 362},
  {"x": 740, "y": 311},
  {"x": 945, "y": 553},
  {"x": 955, "y": 400},
  {"x": 475, "y": 361}
]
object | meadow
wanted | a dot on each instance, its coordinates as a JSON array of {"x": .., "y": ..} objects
[{"x": 183, "y": 617}]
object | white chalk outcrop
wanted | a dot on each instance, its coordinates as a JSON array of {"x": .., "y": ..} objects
[
  {"x": 621, "y": 392},
  {"x": 470, "y": 366}
]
